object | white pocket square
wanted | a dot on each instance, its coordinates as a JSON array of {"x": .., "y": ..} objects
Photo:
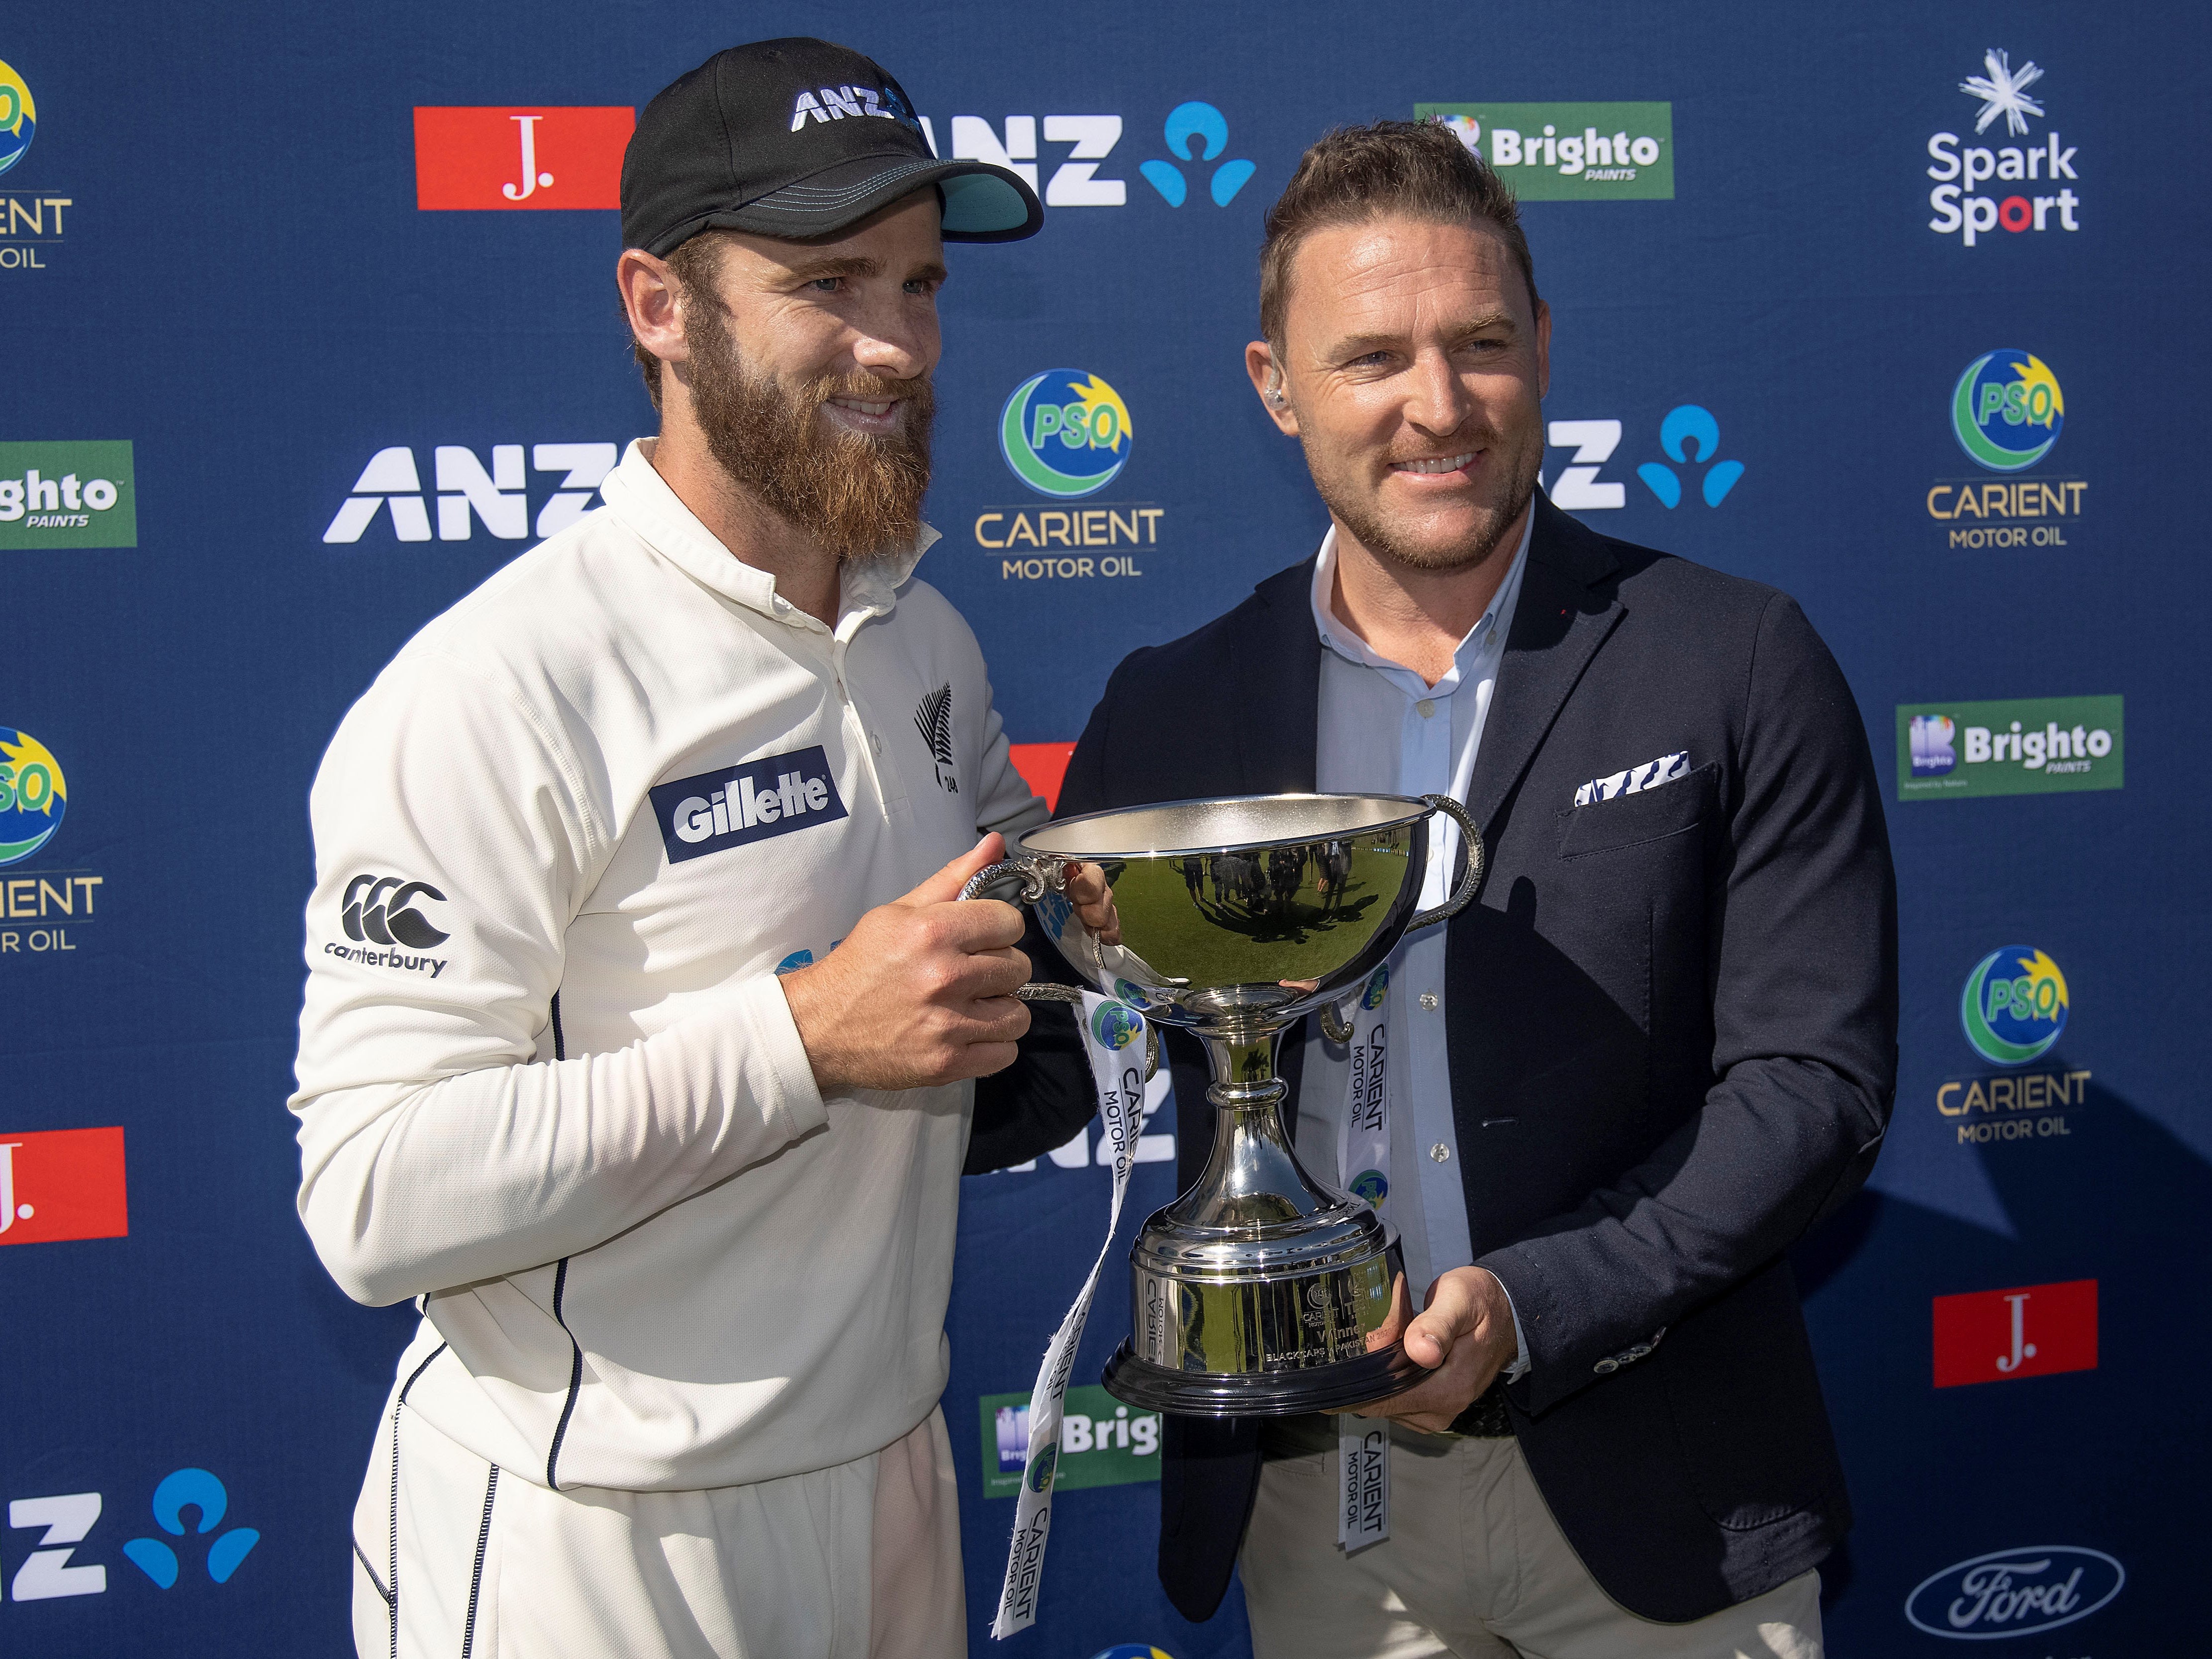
[{"x": 1635, "y": 779}]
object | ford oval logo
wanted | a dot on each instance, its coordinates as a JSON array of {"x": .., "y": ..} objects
[{"x": 2014, "y": 1592}]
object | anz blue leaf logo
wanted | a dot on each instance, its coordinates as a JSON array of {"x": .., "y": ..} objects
[
  {"x": 1690, "y": 434},
  {"x": 1689, "y": 437},
  {"x": 1197, "y": 133},
  {"x": 196, "y": 1489}
]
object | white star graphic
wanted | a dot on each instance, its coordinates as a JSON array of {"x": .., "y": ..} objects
[{"x": 2004, "y": 92}]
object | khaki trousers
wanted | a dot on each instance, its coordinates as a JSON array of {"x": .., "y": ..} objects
[
  {"x": 861, "y": 1561},
  {"x": 1475, "y": 1566}
]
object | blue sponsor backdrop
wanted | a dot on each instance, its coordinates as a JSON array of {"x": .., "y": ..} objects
[{"x": 214, "y": 252}]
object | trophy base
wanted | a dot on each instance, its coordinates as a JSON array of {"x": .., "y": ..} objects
[{"x": 1330, "y": 1388}]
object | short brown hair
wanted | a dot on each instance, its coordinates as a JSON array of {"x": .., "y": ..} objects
[
  {"x": 693, "y": 264},
  {"x": 1417, "y": 169}
]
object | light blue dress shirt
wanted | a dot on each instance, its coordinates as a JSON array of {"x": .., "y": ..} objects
[{"x": 1382, "y": 729}]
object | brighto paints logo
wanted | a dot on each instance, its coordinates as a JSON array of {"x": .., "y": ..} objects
[
  {"x": 1962, "y": 170},
  {"x": 33, "y": 795},
  {"x": 1064, "y": 433},
  {"x": 67, "y": 495},
  {"x": 2020, "y": 746},
  {"x": 2007, "y": 409},
  {"x": 19, "y": 118},
  {"x": 1569, "y": 152},
  {"x": 2014, "y": 1005}
]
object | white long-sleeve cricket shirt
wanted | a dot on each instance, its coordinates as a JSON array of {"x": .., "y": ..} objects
[{"x": 547, "y": 1077}]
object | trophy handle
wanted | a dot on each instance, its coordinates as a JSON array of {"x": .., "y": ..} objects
[
  {"x": 1476, "y": 860},
  {"x": 1039, "y": 876}
]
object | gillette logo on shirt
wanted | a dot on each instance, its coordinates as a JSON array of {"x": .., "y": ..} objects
[{"x": 745, "y": 803}]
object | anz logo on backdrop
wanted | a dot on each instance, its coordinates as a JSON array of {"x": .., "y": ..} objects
[
  {"x": 464, "y": 496},
  {"x": 1197, "y": 167},
  {"x": 1688, "y": 467}
]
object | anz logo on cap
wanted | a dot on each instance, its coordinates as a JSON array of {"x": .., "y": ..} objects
[
  {"x": 748, "y": 802},
  {"x": 828, "y": 104}
]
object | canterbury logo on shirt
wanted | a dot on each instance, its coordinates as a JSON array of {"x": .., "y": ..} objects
[{"x": 746, "y": 803}]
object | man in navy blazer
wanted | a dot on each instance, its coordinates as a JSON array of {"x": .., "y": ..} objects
[{"x": 1664, "y": 1045}]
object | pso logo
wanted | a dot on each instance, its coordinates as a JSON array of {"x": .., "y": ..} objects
[
  {"x": 33, "y": 795},
  {"x": 1371, "y": 1185},
  {"x": 19, "y": 118},
  {"x": 2008, "y": 411},
  {"x": 1114, "y": 1026},
  {"x": 2014, "y": 1005},
  {"x": 1132, "y": 1651},
  {"x": 2014, "y": 1592},
  {"x": 1064, "y": 433},
  {"x": 1378, "y": 987},
  {"x": 1041, "y": 1467}
]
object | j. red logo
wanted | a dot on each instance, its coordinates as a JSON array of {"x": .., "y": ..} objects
[
  {"x": 63, "y": 1183},
  {"x": 1995, "y": 1336},
  {"x": 545, "y": 157}
]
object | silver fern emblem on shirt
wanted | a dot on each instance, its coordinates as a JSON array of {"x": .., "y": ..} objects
[{"x": 932, "y": 718}]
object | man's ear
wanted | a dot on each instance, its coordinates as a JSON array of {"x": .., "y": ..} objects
[
  {"x": 652, "y": 301},
  {"x": 1268, "y": 381},
  {"x": 1543, "y": 350}
]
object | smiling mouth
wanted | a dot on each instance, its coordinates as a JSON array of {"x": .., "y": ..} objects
[
  {"x": 872, "y": 415},
  {"x": 1435, "y": 465}
]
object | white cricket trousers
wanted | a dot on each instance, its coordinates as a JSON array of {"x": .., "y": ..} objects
[{"x": 455, "y": 1559}]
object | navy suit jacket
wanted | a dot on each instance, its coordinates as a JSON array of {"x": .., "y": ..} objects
[{"x": 1673, "y": 1021}]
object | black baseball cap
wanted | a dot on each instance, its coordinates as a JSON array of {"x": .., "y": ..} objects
[{"x": 799, "y": 138}]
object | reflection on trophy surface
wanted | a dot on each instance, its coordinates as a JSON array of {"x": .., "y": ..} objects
[{"x": 1261, "y": 1290}]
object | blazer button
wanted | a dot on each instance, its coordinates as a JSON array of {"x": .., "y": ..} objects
[{"x": 1605, "y": 1367}]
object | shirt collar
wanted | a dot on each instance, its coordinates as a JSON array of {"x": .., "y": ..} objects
[
  {"x": 1484, "y": 636},
  {"x": 637, "y": 495}
]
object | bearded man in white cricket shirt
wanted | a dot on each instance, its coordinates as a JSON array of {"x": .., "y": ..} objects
[{"x": 642, "y": 1027}]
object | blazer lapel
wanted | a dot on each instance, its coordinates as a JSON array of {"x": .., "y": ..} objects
[
  {"x": 1558, "y": 626},
  {"x": 1274, "y": 706}
]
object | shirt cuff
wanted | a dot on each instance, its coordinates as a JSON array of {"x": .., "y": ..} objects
[{"x": 1519, "y": 1368}]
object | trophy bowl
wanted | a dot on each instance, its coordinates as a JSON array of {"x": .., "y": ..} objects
[{"x": 1261, "y": 1290}]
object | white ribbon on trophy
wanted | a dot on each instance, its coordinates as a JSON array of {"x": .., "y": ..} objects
[
  {"x": 1363, "y": 1159},
  {"x": 1114, "y": 1038}
]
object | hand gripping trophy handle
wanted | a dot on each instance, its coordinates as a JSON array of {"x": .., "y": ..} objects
[{"x": 1037, "y": 877}]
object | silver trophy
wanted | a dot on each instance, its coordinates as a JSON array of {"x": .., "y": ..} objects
[{"x": 1260, "y": 1292}]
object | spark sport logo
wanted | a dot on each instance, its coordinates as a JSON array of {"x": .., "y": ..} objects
[
  {"x": 469, "y": 495},
  {"x": 2007, "y": 412},
  {"x": 1962, "y": 169},
  {"x": 1067, "y": 434},
  {"x": 1569, "y": 152},
  {"x": 535, "y": 157},
  {"x": 37, "y": 907},
  {"x": 30, "y": 220}
]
